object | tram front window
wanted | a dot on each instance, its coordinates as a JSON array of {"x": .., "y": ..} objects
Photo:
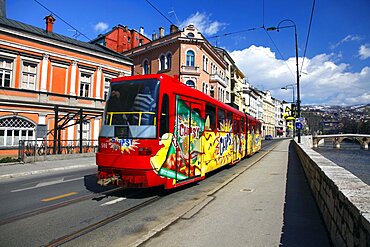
[{"x": 133, "y": 104}]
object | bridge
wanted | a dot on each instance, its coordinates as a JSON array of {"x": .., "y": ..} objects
[{"x": 337, "y": 139}]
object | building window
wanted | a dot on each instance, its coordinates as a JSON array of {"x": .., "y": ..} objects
[
  {"x": 106, "y": 87},
  {"x": 169, "y": 61},
  {"x": 13, "y": 129},
  {"x": 85, "y": 131},
  {"x": 190, "y": 58},
  {"x": 190, "y": 83},
  {"x": 146, "y": 69},
  {"x": 212, "y": 92},
  {"x": 85, "y": 85},
  {"x": 5, "y": 72},
  {"x": 162, "y": 63},
  {"x": 29, "y": 73},
  {"x": 190, "y": 35},
  {"x": 204, "y": 87}
]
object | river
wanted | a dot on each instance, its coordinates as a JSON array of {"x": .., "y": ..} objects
[{"x": 350, "y": 156}]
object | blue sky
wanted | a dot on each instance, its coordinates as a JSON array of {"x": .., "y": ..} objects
[{"x": 336, "y": 68}]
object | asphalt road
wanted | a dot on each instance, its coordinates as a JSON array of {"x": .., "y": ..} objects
[{"x": 136, "y": 227}]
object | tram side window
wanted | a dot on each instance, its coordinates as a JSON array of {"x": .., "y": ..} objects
[
  {"x": 210, "y": 118},
  {"x": 164, "y": 117},
  {"x": 229, "y": 118},
  {"x": 221, "y": 119},
  {"x": 242, "y": 125}
]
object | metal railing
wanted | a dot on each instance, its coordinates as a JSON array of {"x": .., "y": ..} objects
[{"x": 39, "y": 148}]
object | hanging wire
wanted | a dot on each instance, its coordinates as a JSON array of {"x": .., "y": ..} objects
[
  {"x": 236, "y": 32},
  {"x": 159, "y": 12},
  {"x": 308, "y": 36},
  {"x": 281, "y": 55},
  {"x": 53, "y": 13}
]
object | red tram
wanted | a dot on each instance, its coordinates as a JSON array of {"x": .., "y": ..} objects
[{"x": 158, "y": 131}]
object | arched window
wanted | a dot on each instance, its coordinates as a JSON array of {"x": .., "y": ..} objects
[
  {"x": 162, "y": 62},
  {"x": 212, "y": 91},
  {"x": 169, "y": 60},
  {"x": 146, "y": 69},
  {"x": 190, "y": 58},
  {"x": 190, "y": 35},
  {"x": 14, "y": 129},
  {"x": 190, "y": 83}
]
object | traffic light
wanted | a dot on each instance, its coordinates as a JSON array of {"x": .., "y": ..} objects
[{"x": 294, "y": 110}]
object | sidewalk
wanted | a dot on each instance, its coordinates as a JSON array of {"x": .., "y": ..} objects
[
  {"x": 19, "y": 169},
  {"x": 269, "y": 204}
]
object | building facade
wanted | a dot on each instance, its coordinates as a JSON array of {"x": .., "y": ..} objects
[
  {"x": 121, "y": 39},
  {"x": 51, "y": 86},
  {"x": 185, "y": 54}
]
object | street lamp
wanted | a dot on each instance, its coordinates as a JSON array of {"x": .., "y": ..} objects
[
  {"x": 292, "y": 87},
  {"x": 296, "y": 59}
]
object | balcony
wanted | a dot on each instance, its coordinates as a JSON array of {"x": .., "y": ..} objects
[
  {"x": 218, "y": 79},
  {"x": 190, "y": 70}
]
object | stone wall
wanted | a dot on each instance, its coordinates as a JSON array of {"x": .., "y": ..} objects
[{"x": 343, "y": 199}]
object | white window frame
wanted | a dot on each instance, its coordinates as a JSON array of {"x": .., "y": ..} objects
[
  {"x": 86, "y": 131},
  {"x": 14, "y": 140},
  {"x": 188, "y": 63},
  {"x": 6, "y": 71},
  {"x": 88, "y": 84},
  {"x": 168, "y": 61},
  {"x": 25, "y": 71},
  {"x": 162, "y": 64},
  {"x": 107, "y": 80}
]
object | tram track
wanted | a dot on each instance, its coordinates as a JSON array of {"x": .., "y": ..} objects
[
  {"x": 94, "y": 226},
  {"x": 55, "y": 206}
]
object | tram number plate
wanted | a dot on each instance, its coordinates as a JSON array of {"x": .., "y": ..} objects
[{"x": 121, "y": 131}]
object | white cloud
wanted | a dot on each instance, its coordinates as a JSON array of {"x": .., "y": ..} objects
[
  {"x": 326, "y": 81},
  {"x": 203, "y": 22},
  {"x": 364, "y": 52},
  {"x": 101, "y": 27},
  {"x": 346, "y": 39}
]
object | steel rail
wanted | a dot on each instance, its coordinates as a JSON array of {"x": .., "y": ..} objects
[{"x": 54, "y": 206}]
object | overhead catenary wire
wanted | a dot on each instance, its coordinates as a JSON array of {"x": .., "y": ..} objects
[
  {"x": 159, "y": 12},
  {"x": 308, "y": 35},
  {"x": 231, "y": 33},
  {"x": 281, "y": 55},
  {"x": 60, "y": 18}
]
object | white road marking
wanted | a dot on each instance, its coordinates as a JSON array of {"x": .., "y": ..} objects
[
  {"x": 113, "y": 201},
  {"x": 43, "y": 184}
]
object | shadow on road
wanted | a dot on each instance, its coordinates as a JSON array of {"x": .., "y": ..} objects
[{"x": 303, "y": 224}]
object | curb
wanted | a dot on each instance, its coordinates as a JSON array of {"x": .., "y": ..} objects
[{"x": 21, "y": 174}]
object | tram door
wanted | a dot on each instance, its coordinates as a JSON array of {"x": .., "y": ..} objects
[
  {"x": 236, "y": 141},
  {"x": 189, "y": 129}
]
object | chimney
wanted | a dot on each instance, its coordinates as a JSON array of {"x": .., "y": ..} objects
[
  {"x": 161, "y": 32},
  {"x": 141, "y": 31},
  {"x": 2, "y": 8},
  {"x": 173, "y": 29},
  {"x": 49, "y": 23},
  {"x": 154, "y": 36}
]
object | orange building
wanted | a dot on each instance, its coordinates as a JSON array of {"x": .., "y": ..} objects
[
  {"x": 186, "y": 54},
  {"x": 51, "y": 86}
]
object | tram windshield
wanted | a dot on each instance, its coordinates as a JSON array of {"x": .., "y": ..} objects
[{"x": 131, "y": 109}]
